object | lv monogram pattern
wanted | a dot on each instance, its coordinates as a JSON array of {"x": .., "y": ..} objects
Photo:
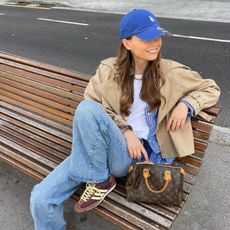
[{"x": 137, "y": 191}]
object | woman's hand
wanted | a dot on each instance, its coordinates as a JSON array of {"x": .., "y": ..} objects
[
  {"x": 135, "y": 147},
  {"x": 178, "y": 117}
]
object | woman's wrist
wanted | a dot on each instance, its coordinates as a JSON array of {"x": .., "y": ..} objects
[
  {"x": 127, "y": 133},
  {"x": 126, "y": 128}
]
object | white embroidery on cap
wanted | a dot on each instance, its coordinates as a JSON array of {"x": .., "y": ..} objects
[{"x": 151, "y": 19}]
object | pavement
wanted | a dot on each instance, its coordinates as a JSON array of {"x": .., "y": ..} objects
[{"x": 208, "y": 205}]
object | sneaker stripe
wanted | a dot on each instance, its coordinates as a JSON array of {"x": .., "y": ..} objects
[
  {"x": 96, "y": 198},
  {"x": 99, "y": 192},
  {"x": 93, "y": 196}
]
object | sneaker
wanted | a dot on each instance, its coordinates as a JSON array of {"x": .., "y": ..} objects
[{"x": 94, "y": 194}]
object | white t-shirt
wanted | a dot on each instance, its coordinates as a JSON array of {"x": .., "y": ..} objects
[{"x": 137, "y": 117}]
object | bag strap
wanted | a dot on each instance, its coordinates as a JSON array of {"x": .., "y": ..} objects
[{"x": 167, "y": 177}]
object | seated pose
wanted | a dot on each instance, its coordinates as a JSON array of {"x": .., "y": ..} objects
[{"x": 137, "y": 108}]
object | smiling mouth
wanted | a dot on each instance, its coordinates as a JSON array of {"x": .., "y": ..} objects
[{"x": 153, "y": 51}]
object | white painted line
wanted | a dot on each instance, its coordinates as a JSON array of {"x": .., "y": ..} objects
[
  {"x": 200, "y": 38},
  {"x": 66, "y": 22},
  {"x": 2, "y": 14}
]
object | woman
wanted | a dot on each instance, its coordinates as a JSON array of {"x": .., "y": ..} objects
[{"x": 137, "y": 107}]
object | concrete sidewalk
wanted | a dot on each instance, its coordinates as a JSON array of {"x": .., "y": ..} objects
[{"x": 207, "y": 207}]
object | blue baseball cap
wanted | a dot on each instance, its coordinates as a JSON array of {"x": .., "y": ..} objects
[{"x": 141, "y": 23}]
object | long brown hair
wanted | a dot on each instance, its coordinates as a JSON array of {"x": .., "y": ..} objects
[{"x": 152, "y": 80}]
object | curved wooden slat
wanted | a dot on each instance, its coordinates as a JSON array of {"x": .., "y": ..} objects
[{"x": 43, "y": 66}]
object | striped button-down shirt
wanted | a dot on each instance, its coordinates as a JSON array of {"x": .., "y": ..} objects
[{"x": 152, "y": 145}]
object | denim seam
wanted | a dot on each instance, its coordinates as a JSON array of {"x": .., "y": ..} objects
[
  {"x": 50, "y": 213},
  {"x": 84, "y": 180},
  {"x": 92, "y": 153}
]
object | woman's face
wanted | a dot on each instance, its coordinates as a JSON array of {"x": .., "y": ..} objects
[{"x": 143, "y": 50}]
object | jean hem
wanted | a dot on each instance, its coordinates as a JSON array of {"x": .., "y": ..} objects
[{"x": 86, "y": 180}]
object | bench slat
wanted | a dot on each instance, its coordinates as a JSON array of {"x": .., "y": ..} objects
[
  {"x": 47, "y": 77},
  {"x": 26, "y": 116},
  {"x": 115, "y": 219},
  {"x": 198, "y": 153},
  {"x": 31, "y": 144},
  {"x": 44, "y": 66},
  {"x": 214, "y": 110},
  {"x": 140, "y": 210},
  {"x": 205, "y": 127},
  {"x": 120, "y": 190},
  {"x": 39, "y": 155},
  {"x": 21, "y": 167},
  {"x": 191, "y": 161},
  {"x": 35, "y": 138},
  {"x": 191, "y": 170},
  {"x": 190, "y": 179},
  {"x": 128, "y": 216},
  {"x": 22, "y": 95},
  {"x": 23, "y": 160},
  {"x": 44, "y": 87},
  {"x": 201, "y": 135},
  {"x": 27, "y": 152},
  {"x": 35, "y": 130},
  {"x": 200, "y": 145},
  {"x": 37, "y": 92},
  {"x": 28, "y": 105}
]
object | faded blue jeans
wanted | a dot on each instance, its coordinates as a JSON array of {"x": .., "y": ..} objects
[{"x": 98, "y": 150}]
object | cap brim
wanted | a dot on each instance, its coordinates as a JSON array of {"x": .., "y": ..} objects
[{"x": 152, "y": 33}]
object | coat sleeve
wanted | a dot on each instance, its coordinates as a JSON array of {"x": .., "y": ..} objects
[
  {"x": 93, "y": 92},
  {"x": 200, "y": 93}
]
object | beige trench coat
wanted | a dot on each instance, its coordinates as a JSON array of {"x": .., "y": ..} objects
[{"x": 181, "y": 83}]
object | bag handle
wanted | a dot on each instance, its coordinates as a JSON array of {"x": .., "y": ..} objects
[{"x": 167, "y": 177}]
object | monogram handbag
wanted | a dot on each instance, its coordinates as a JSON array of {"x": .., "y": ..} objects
[{"x": 151, "y": 183}]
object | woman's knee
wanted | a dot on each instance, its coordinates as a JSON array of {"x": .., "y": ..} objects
[
  {"x": 37, "y": 199},
  {"x": 120, "y": 170},
  {"x": 88, "y": 106},
  {"x": 89, "y": 111}
]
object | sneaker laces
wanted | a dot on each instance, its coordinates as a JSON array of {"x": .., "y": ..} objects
[
  {"x": 92, "y": 192},
  {"x": 89, "y": 191}
]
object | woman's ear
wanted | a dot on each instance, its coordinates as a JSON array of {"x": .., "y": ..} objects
[{"x": 126, "y": 43}]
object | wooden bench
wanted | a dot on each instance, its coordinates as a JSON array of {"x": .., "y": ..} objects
[{"x": 37, "y": 107}]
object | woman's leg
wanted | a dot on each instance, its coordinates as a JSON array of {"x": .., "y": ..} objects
[
  {"x": 99, "y": 148},
  {"x": 47, "y": 197}
]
